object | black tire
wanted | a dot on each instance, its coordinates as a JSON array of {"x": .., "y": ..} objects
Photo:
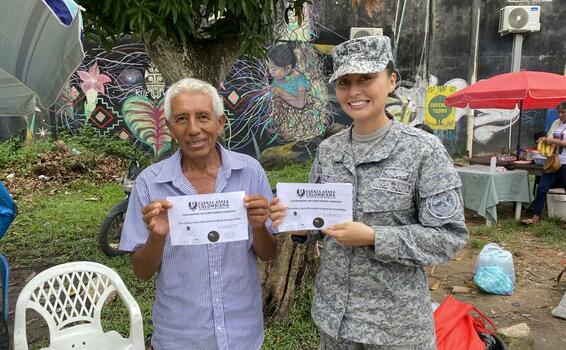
[{"x": 110, "y": 232}]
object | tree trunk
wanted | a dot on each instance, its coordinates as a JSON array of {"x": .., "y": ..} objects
[
  {"x": 280, "y": 278},
  {"x": 208, "y": 60}
]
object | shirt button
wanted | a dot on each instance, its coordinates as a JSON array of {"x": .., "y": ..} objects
[
  {"x": 217, "y": 300},
  {"x": 219, "y": 328},
  {"x": 215, "y": 273}
]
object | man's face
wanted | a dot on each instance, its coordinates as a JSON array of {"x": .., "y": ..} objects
[
  {"x": 562, "y": 115},
  {"x": 194, "y": 125}
]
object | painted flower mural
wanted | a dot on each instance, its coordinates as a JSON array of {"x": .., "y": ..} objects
[{"x": 92, "y": 83}]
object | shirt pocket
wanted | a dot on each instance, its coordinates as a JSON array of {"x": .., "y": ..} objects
[{"x": 387, "y": 194}]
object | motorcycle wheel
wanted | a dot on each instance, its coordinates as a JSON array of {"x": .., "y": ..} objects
[{"x": 110, "y": 232}]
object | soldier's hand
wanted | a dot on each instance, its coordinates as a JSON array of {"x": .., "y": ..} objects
[
  {"x": 351, "y": 234},
  {"x": 155, "y": 217},
  {"x": 258, "y": 209},
  {"x": 278, "y": 212}
]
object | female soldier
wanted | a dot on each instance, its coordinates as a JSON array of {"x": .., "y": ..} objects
[{"x": 371, "y": 291}]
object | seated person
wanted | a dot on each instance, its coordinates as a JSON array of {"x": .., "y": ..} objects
[{"x": 556, "y": 136}]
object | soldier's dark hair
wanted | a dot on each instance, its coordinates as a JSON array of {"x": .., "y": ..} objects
[
  {"x": 390, "y": 68},
  {"x": 282, "y": 55},
  {"x": 425, "y": 128}
]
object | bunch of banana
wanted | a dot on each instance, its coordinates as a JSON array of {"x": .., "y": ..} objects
[{"x": 545, "y": 149}]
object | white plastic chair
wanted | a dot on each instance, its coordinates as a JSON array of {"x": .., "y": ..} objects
[{"x": 70, "y": 298}]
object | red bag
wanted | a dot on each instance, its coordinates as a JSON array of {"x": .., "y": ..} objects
[{"x": 457, "y": 327}]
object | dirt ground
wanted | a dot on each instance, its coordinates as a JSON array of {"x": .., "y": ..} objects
[{"x": 535, "y": 295}]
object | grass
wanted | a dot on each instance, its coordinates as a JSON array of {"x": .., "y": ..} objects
[
  {"x": 511, "y": 233},
  {"x": 289, "y": 173},
  {"x": 299, "y": 333}
]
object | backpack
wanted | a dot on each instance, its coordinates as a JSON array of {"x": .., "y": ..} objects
[
  {"x": 458, "y": 326},
  {"x": 8, "y": 210}
]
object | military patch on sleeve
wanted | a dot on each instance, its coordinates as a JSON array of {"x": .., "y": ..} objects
[{"x": 443, "y": 205}]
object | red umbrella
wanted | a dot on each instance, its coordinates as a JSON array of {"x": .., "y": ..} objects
[{"x": 524, "y": 89}]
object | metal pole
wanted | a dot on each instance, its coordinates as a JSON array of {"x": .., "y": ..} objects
[
  {"x": 474, "y": 52},
  {"x": 515, "y": 67},
  {"x": 53, "y": 120},
  {"x": 519, "y": 128},
  {"x": 517, "y": 50}
]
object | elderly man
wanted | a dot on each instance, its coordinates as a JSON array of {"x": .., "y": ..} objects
[{"x": 208, "y": 296}]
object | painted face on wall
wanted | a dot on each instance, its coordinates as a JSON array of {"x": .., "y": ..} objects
[
  {"x": 278, "y": 73},
  {"x": 194, "y": 124},
  {"x": 363, "y": 96}
]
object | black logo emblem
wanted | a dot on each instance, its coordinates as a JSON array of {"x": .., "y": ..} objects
[
  {"x": 318, "y": 222},
  {"x": 213, "y": 236},
  {"x": 300, "y": 193},
  {"x": 193, "y": 205}
]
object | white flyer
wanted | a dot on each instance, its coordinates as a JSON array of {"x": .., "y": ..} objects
[
  {"x": 208, "y": 218},
  {"x": 314, "y": 206}
]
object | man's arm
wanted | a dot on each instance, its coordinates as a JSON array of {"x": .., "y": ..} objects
[
  {"x": 263, "y": 243},
  {"x": 147, "y": 258}
]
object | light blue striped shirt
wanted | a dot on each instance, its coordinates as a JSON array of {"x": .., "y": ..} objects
[{"x": 207, "y": 296}]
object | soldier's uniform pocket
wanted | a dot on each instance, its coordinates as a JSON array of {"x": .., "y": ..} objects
[{"x": 387, "y": 194}]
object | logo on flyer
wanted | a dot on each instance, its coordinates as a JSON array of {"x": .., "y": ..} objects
[
  {"x": 209, "y": 205},
  {"x": 317, "y": 194}
]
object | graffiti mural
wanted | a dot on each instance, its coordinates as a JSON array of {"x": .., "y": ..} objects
[
  {"x": 281, "y": 100},
  {"x": 117, "y": 93}
]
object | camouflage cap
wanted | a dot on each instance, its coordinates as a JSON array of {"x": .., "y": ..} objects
[{"x": 369, "y": 54}]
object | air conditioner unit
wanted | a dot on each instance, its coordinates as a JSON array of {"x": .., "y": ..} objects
[
  {"x": 359, "y": 32},
  {"x": 519, "y": 19}
]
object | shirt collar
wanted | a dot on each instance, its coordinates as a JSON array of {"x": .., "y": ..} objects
[
  {"x": 172, "y": 166},
  {"x": 386, "y": 145}
]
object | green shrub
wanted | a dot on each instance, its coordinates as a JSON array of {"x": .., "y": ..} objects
[
  {"x": 14, "y": 153},
  {"x": 90, "y": 141}
]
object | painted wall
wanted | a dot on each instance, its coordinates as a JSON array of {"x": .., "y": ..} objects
[{"x": 282, "y": 106}]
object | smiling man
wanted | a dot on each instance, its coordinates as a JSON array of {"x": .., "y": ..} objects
[{"x": 207, "y": 296}]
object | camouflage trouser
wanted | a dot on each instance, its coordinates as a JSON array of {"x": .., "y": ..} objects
[{"x": 329, "y": 343}]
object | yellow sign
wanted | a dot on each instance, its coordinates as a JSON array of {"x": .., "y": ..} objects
[{"x": 437, "y": 115}]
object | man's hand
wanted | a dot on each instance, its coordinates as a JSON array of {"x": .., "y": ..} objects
[
  {"x": 278, "y": 212},
  {"x": 258, "y": 210},
  {"x": 155, "y": 217},
  {"x": 351, "y": 234}
]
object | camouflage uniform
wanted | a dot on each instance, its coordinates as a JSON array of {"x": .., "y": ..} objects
[{"x": 406, "y": 188}]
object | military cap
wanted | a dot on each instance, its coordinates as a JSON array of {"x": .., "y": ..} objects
[{"x": 369, "y": 54}]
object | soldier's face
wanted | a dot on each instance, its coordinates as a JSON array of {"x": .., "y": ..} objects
[
  {"x": 363, "y": 96},
  {"x": 194, "y": 124}
]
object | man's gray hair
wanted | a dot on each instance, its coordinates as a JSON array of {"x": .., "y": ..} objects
[{"x": 193, "y": 85}]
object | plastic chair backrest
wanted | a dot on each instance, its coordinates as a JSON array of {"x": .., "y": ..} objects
[{"x": 70, "y": 298}]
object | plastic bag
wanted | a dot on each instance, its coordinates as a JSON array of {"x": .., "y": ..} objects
[
  {"x": 495, "y": 272},
  {"x": 458, "y": 326}
]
